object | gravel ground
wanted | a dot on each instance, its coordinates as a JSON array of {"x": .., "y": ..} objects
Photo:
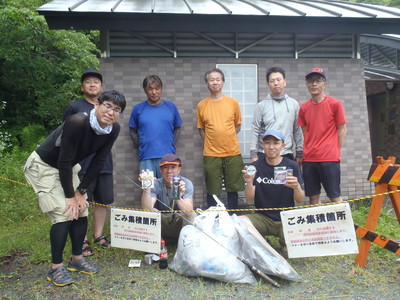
[{"x": 334, "y": 277}]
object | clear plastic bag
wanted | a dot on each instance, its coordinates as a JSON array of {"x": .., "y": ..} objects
[
  {"x": 211, "y": 247},
  {"x": 260, "y": 254},
  {"x": 199, "y": 254}
]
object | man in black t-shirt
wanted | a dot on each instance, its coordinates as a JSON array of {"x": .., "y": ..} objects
[
  {"x": 52, "y": 170},
  {"x": 267, "y": 188}
]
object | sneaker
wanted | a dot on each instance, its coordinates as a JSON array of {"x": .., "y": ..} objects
[
  {"x": 83, "y": 266},
  {"x": 60, "y": 276}
]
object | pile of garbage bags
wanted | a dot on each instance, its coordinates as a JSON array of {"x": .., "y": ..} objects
[{"x": 214, "y": 245}]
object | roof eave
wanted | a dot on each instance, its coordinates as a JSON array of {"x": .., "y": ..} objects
[{"x": 217, "y": 23}]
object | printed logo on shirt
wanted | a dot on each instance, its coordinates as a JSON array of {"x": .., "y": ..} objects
[{"x": 265, "y": 180}]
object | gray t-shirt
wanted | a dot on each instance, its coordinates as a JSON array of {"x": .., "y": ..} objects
[{"x": 164, "y": 194}]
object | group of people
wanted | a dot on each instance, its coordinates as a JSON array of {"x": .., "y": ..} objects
[
  {"x": 75, "y": 163},
  {"x": 304, "y": 139}
]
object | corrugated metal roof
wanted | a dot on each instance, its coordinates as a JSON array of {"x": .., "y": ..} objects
[
  {"x": 316, "y": 8},
  {"x": 317, "y": 28},
  {"x": 300, "y": 16}
]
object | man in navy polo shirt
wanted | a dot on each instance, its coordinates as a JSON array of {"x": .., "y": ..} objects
[{"x": 267, "y": 188}]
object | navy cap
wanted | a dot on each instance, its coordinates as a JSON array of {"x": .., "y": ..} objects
[
  {"x": 91, "y": 72},
  {"x": 275, "y": 133}
]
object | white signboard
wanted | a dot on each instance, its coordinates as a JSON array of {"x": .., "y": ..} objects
[
  {"x": 137, "y": 230},
  {"x": 319, "y": 231}
]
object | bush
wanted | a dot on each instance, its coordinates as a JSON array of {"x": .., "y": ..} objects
[
  {"x": 24, "y": 227},
  {"x": 31, "y": 137}
]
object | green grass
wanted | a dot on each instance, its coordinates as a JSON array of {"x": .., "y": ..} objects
[
  {"x": 387, "y": 226},
  {"x": 23, "y": 226},
  {"x": 25, "y": 229},
  {"x": 25, "y": 233}
]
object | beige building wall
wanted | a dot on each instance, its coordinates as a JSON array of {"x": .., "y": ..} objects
[{"x": 184, "y": 84}]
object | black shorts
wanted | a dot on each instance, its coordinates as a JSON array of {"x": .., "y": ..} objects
[
  {"x": 326, "y": 173},
  {"x": 101, "y": 190}
]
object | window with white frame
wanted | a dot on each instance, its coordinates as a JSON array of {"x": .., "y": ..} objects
[{"x": 241, "y": 83}]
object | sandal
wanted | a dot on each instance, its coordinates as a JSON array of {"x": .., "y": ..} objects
[
  {"x": 105, "y": 244},
  {"x": 87, "y": 251},
  {"x": 83, "y": 266},
  {"x": 60, "y": 277}
]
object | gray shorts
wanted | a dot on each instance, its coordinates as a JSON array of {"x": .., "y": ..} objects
[{"x": 45, "y": 181}]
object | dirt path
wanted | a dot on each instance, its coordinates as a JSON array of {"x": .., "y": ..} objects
[{"x": 333, "y": 277}]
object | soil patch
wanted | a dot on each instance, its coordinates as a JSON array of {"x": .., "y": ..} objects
[{"x": 334, "y": 277}]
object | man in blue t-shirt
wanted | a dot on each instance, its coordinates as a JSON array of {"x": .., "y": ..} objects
[
  {"x": 154, "y": 126},
  {"x": 277, "y": 183}
]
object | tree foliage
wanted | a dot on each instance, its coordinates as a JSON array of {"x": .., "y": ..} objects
[
  {"x": 391, "y": 3},
  {"x": 39, "y": 68}
]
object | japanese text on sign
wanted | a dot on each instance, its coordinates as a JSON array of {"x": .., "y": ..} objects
[
  {"x": 319, "y": 231},
  {"x": 137, "y": 230}
]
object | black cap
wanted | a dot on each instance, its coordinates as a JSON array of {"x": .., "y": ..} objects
[
  {"x": 318, "y": 71},
  {"x": 91, "y": 72}
]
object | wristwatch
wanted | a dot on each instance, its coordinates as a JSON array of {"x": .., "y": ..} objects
[{"x": 81, "y": 190}]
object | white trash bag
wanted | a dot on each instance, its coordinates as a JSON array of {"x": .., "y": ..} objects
[
  {"x": 260, "y": 254},
  {"x": 199, "y": 254}
]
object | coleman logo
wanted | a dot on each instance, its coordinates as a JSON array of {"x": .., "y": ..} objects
[{"x": 265, "y": 180}]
